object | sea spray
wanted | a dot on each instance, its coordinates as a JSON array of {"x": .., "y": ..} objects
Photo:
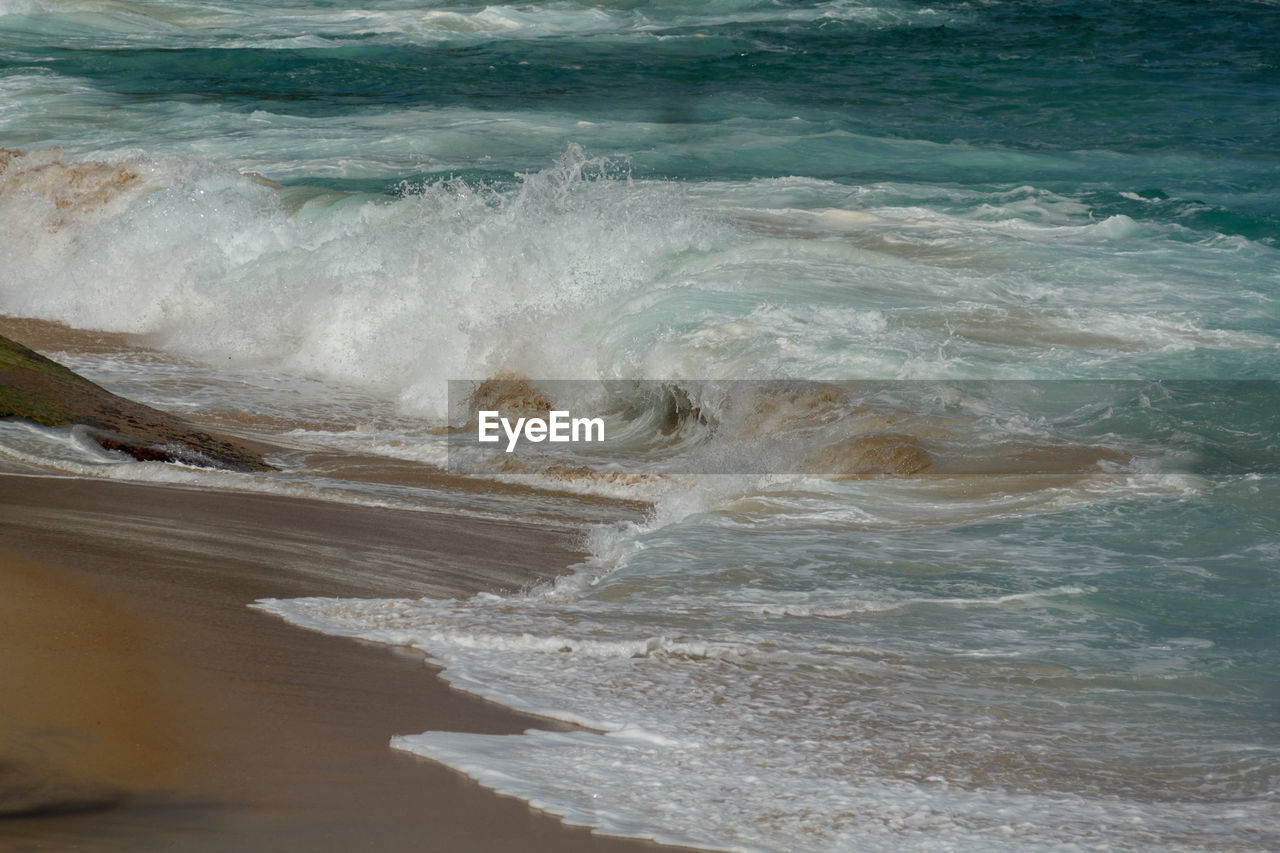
[
  {"x": 337, "y": 210},
  {"x": 396, "y": 294}
]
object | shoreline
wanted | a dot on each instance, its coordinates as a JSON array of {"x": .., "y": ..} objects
[{"x": 158, "y": 711}]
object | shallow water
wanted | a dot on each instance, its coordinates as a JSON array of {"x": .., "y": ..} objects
[{"x": 1035, "y": 613}]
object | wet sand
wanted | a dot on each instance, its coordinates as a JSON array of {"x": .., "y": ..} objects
[{"x": 143, "y": 706}]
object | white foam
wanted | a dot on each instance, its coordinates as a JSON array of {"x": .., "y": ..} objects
[
  {"x": 239, "y": 24},
  {"x": 811, "y": 728},
  {"x": 394, "y": 295},
  {"x": 760, "y": 749}
]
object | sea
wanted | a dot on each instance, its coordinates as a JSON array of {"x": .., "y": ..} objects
[{"x": 937, "y": 344}]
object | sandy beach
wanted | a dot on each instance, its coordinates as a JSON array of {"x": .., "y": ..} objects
[
  {"x": 144, "y": 706},
  {"x": 842, "y": 426}
]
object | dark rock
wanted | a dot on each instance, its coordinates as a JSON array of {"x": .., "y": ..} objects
[{"x": 39, "y": 389}]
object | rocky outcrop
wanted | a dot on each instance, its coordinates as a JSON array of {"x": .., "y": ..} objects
[{"x": 39, "y": 389}]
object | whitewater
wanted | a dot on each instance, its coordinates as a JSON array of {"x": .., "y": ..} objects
[{"x": 937, "y": 344}]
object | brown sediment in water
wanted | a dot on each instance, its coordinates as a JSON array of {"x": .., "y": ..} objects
[
  {"x": 1026, "y": 327},
  {"x": 809, "y": 406},
  {"x": 874, "y": 456},
  {"x": 1025, "y": 458},
  {"x": 510, "y": 394},
  {"x": 36, "y": 388},
  {"x": 897, "y": 455},
  {"x": 581, "y": 473},
  {"x": 381, "y": 469},
  {"x": 889, "y": 238},
  {"x": 138, "y": 687},
  {"x": 857, "y": 439},
  {"x": 49, "y": 336},
  {"x": 74, "y": 188},
  {"x": 885, "y": 441}
]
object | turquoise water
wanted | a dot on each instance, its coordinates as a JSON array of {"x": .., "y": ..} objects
[{"x": 1060, "y": 635}]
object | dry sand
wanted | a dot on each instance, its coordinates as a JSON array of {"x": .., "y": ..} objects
[{"x": 144, "y": 707}]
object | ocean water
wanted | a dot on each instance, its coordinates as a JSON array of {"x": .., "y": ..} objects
[{"x": 963, "y": 320}]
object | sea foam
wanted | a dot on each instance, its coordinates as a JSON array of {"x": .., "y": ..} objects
[{"x": 398, "y": 294}]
